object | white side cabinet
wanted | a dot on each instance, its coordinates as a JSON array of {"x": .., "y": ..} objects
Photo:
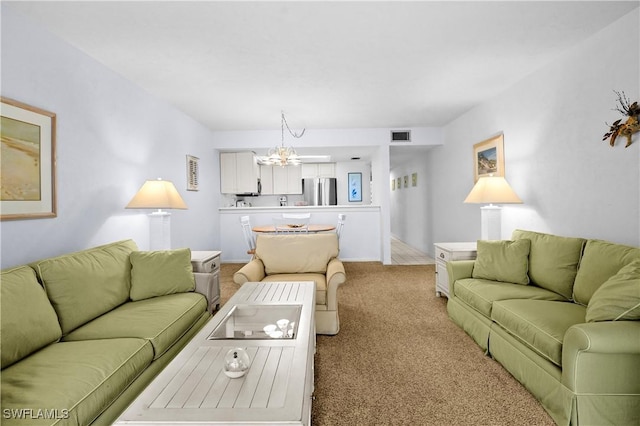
[
  {"x": 446, "y": 252},
  {"x": 206, "y": 269}
]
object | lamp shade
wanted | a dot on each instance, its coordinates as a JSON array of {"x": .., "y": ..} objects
[
  {"x": 492, "y": 189},
  {"x": 157, "y": 194}
]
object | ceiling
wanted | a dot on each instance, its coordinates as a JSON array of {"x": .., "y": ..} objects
[{"x": 234, "y": 65}]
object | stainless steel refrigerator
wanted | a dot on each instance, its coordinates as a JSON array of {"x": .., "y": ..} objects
[{"x": 320, "y": 191}]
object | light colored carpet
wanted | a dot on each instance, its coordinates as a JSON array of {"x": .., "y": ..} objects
[{"x": 399, "y": 360}]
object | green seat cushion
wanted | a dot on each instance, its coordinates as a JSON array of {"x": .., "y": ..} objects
[
  {"x": 601, "y": 260},
  {"x": 161, "y": 272},
  {"x": 553, "y": 260},
  {"x": 539, "y": 324},
  {"x": 84, "y": 285},
  {"x": 506, "y": 261},
  {"x": 319, "y": 279},
  {"x": 28, "y": 319},
  {"x": 481, "y": 294},
  {"x": 77, "y": 379},
  {"x": 162, "y": 320},
  {"x": 618, "y": 299}
]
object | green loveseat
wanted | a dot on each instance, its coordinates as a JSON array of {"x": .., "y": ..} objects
[
  {"x": 561, "y": 315},
  {"x": 84, "y": 333}
]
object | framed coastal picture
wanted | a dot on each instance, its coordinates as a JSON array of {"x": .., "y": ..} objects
[
  {"x": 488, "y": 157},
  {"x": 399, "y": 182},
  {"x": 28, "y": 161},
  {"x": 393, "y": 184},
  {"x": 414, "y": 179},
  {"x": 355, "y": 187},
  {"x": 406, "y": 181}
]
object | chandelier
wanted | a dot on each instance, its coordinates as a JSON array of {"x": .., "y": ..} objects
[{"x": 281, "y": 155}]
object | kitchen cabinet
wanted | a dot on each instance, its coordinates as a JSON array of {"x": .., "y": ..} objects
[
  {"x": 266, "y": 178},
  {"x": 277, "y": 180},
  {"x": 239, "y": 172},
  {"x": 318, "y": 170},
  {"x": 287, "y": 180}
]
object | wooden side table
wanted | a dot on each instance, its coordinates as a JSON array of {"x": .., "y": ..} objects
[{"x": 446, "y": 252}]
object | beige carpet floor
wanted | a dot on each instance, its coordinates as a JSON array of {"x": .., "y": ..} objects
[{"x": 399, "y": 360}]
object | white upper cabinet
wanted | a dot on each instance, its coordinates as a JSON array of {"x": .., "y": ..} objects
[
  {"x": 278, "y": 180},
  {"x": 317, "y": 170},
  {"x": 239, "y": 172}
]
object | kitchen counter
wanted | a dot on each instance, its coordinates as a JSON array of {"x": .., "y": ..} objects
[
  {"x": 360, "y": 239},
  {"x": 298, "y": 209}
]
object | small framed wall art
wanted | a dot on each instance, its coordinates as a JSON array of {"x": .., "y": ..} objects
[
  {"x": 28, "y": 161},
  {"x": 414, "y": 179},
  {"x": 406, "y": 181},
  {"x": 355, "y": 187},
  {"x": 192, "y": 173},
  {"x": 399, "y": 182},
  {"x": 488, "y": 157}
]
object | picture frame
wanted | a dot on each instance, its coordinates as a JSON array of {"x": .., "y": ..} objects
[
  {"x": 406, "y": 181},
  {"x": 488, "y": 157},
  {"x": 393, "y": 184},
  {"x": 355, "y": 186},
  {"x": 193, "y": 173},
  {"x": 28, "y": 161},
  {"x": 399, "y": 182},
  {"x": 414, "y": 179}
]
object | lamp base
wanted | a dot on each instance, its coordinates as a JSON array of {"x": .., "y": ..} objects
[
  {"x": 159, "y": 230},
  {"x": 490, "y": 222}
]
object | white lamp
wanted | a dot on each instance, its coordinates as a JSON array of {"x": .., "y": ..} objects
[
  {"x": 158, "y": 194},
  {"x": 489, "y": 190}
]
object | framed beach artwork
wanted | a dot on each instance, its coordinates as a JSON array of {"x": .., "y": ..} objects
[
  {"x": 488, "y": 157},
  {"x": 393, "y": 184},
  {"x": 406, "y": 181},
  {"x": 399, "y": 182},
  {"x": 355, "y": 187},
  {"x": 414, "y": 179},
  {"x": 27, "y": 161}
]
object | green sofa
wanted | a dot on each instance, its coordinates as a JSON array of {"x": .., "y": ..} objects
[
  {"x": 83, "y": 334},
  {"x": 561, "y": 315}
]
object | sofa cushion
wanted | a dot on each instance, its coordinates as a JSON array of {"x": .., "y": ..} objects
[
  {"x": 162, "y": 272},
  {"x": 84, "y": 285},
  {"x": 539, "y": 324},
  {"x": 481, "y": 294},
  {"x": 28, "y": 320},
  {"x": 320, "y": 280},
  {"x": 286, "y": 254},
  {"x": 161, "y": 320},
  {"x": 618, "y": 298},
  {"x": 506, "y": 261},
  {"x": 553, "y": 260},
  {"x": 76, "y": 379},
  {"x": 601, "y": 260}
]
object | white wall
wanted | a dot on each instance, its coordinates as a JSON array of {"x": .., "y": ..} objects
[
  {"x": 571, "y": 182},
  {"x": 410, "y": 212},
  {"x": 111, "y": 137}
]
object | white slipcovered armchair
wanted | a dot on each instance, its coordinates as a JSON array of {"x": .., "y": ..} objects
[{"x": 301, "y": 257}]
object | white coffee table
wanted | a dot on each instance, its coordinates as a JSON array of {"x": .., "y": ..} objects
[{"x": 277, "y": 388}]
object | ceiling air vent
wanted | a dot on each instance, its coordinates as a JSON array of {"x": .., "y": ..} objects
[{"x": 401, "y": 136}]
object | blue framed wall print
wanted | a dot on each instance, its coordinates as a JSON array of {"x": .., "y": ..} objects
[{"x": 355, "y": 187}]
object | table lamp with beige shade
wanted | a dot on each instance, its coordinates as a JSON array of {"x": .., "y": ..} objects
[
  {"x": 158, "y": 194},
  {"x": 490, "y": 190}
]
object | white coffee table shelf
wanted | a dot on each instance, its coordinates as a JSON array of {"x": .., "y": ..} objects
[{"x": 277, "y": 388}]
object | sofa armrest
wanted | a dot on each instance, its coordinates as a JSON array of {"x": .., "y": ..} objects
[
  {"x": 335, "y": 277},
  {"x": 602, "y": 358},
  {"x": 457, "y": 270},
  {"x": 203, "y": 286},
  {"x": 251, "y": 272}
]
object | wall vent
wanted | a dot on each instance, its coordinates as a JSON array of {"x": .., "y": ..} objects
[{"x": 401, "y": 136}]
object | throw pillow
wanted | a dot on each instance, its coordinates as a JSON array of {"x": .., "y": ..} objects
[
  {"x": 506, "y": 261},
  {"x": 161, "y": 272},
  {"x": 618, "y": 298}
]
